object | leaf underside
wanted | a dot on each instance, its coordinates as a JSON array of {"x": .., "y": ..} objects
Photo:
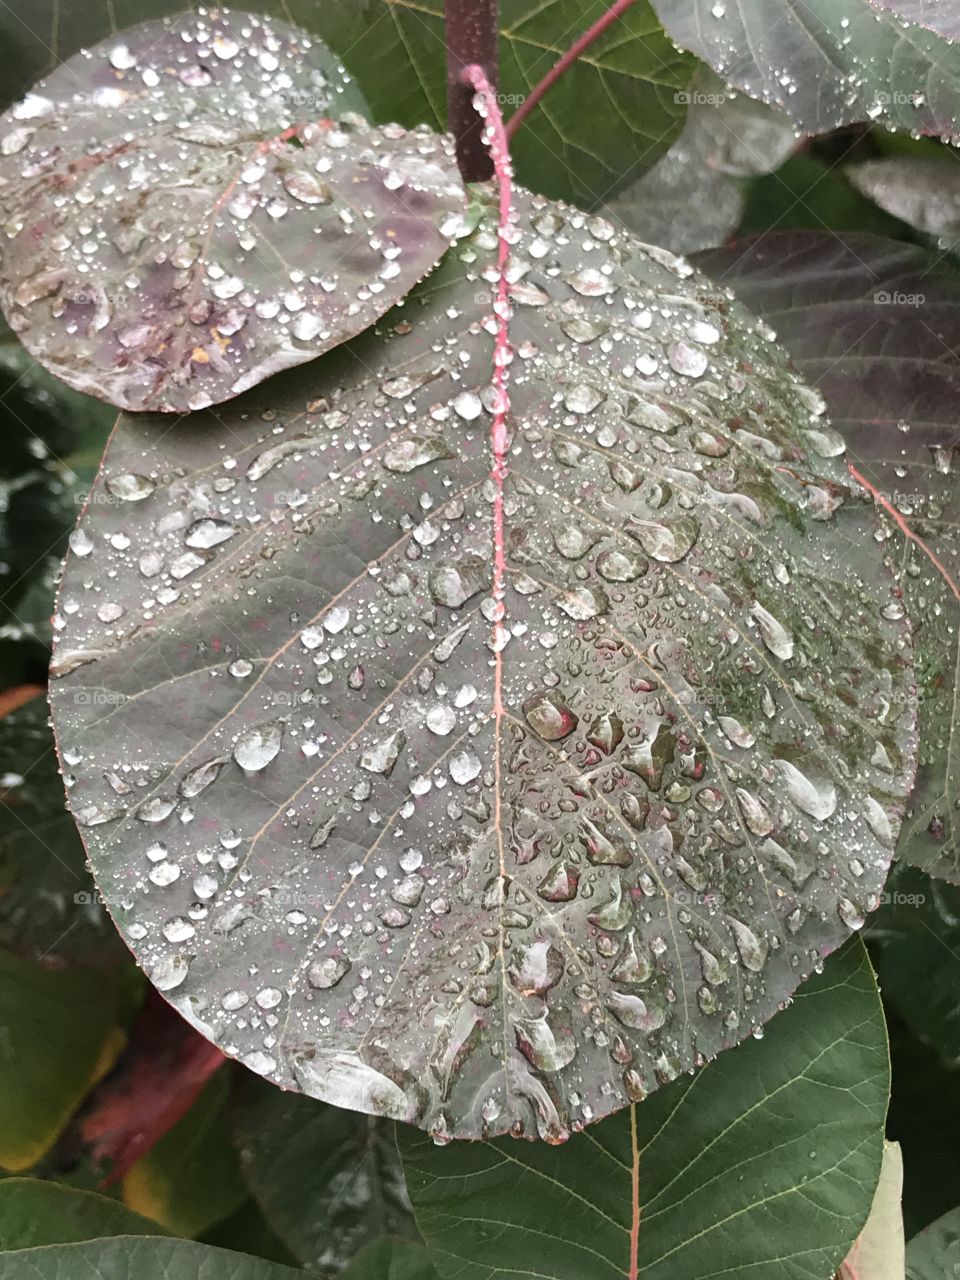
[
  {"x": 185, "y": 217},
  {"x": 326, "y": 838}
]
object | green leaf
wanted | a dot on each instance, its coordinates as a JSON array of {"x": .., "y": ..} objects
[
  {"x": 383, "y": 874},
  {"x": 191, "y": 1178},
  {"x": 924, "y": 1117},
  {"x": 762, "y": 1163},
  {"x": 935, "y": 1252},
  {"x": 35, "y": 1212},
  {"x": 41, "y": 422},
  {"x": 145, "y": 1257},
  {"x": 874, "y": 326},
  {"x": 247, "y": 1231},
  {"x": 918, "y": 956},
  {"x": 389, "y": 1259},
  {"x": 329, "y": 1181},
  {"x": 274, "y": 241},
  {"x": 825, "y": 64},
  {"x": 50, "y": 905},
  {"x": 878, "y": 1252},
  {"x": 55, "y": 1034},
  {"x": 395, "y": 48},
  {"x": 806, "y": 193}
]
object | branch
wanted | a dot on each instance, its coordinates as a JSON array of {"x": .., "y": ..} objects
[
  {"x": 472, "y": 38},
  {"x": 568, "y": 59}
]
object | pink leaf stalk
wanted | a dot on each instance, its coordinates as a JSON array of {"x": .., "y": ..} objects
[{"x": 496, "y": 139}]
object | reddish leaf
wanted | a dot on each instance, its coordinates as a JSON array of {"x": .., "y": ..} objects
[{"x": 156, "y": 1082}]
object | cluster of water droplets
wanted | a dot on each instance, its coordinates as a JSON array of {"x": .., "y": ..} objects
[
  {"x": 198, "y": 204},
  {"x": 276, "y": 710}
]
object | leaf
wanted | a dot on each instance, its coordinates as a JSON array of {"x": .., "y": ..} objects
[
  {"x": 176, "y": 232},
  {"x": 36, "y": 1212},
  {"x": 931, "y": 1182},
  {"x": 49, "y": 904},
  {"x": 878, "y": 1252},
  {"x": 924, "y": 190},
  {"x": 395, "y": 50},
  {"x": 389, "y": 1259},
  {"x": 391, "y": 869},
  {"x": 935, "y": 1252},
  {"x": 191, "y": 1178},
  {"x": 874, "y": 325},
  {"x": 941, "y": 16},
  {"x": 918, "y": 956},
  {"x": 146, "y": 1257},
  {"x": 763, "y": 1161},
  {"x": 41, "y": 422},
  {"x": 247, "y": 1231},
  {"x": 329, "y": 1181},
  {"x": 808, "y": 193},
  {"x": 825, "y": 64},
  {"x": 56, "y": 1037},
  {"x": 157, "y": 1082},
  {"x": 692, "y": 199}
]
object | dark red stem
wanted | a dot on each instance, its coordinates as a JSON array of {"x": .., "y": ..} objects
[
  {"x": 472, "y": 38},
  {"x": 568, "y": 59}
]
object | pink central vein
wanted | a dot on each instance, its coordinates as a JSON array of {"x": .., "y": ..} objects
[{"x": 495, "y": 137}]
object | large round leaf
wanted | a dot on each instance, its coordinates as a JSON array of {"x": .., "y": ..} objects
[
  {"x": 874, "y": 325},
  {"x": 183, "y": 217},
  {"x": 490, "y": 867}
]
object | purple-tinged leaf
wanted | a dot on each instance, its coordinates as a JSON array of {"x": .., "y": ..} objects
[
  {"x": 875, "y": 326},
  {"x": 185, "y": 214},
  {"x": 486, "y": 866}
]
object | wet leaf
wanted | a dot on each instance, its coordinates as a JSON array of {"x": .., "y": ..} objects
[
  {"x": 191, "y": 1178},
  {"x": 48, "y": 903},
  {"x": 825, "y": 64},
  {"x": 328, "y": 1180},
  {"x": 632, "y": 76},
  {"x": 37, "y": 1212},
  {"x": 878, "y": 1252},
  {"x": 763, "y": 1161},
  {"x": 184, "y": 217},
  {"x": 941, "y": 16},
  {"x": 58, "y": 1027},
  {"x": 874, "y": 325},
  {"x": 482, "y": 865},
  {"x": 143, "y": 1256},
  {"x": 692, "y": 197},
  {"x": 935, "y": 1252}
]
